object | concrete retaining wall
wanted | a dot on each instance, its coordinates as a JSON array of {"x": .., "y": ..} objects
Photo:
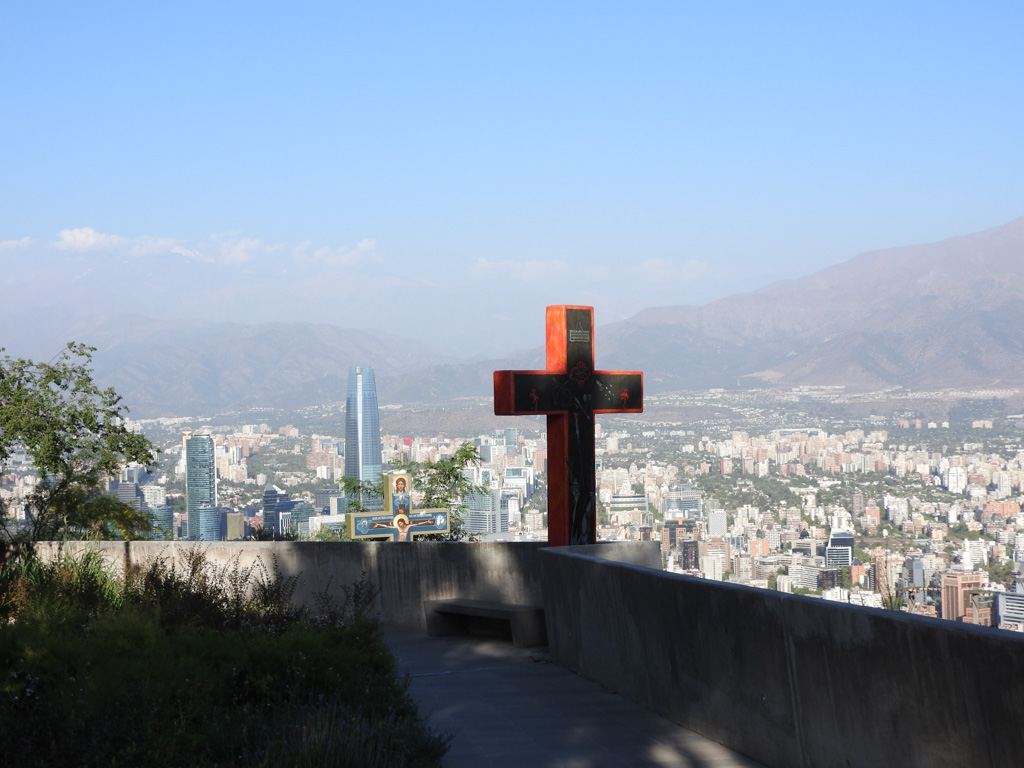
[
  {"x": 789, "y": 681},
  {"x": 405, "y": 574},
  {"x": 786, "y": 680}
]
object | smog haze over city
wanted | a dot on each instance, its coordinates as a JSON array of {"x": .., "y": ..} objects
[{"x": 362, "y": 166}]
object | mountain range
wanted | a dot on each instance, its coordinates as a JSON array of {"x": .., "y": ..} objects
[
  {"x": 941, "y": 315},
  {"x": 947, "y": 314}
]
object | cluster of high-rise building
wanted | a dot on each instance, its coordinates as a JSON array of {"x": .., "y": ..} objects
[
  {"x": 278, "y": 514},
  {"x": 502, "y": 483},
  {"x": 931, "y": 548},
  {"x": 955, "y": 519},
  {"x": 800, "y": 545}
]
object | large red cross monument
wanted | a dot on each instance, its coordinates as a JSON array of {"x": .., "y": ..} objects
[{"x": 569, "y": 392}]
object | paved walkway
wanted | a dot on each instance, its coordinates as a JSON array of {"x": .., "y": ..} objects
[{"x": 512, "y": 708}]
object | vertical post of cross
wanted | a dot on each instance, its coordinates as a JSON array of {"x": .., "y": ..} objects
[{"x": 570, "y": 392}]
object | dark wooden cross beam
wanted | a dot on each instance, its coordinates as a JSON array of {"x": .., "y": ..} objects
[{"x": 570, "y": 392}]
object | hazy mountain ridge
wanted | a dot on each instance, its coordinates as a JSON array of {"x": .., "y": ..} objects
[
  {"x": 945, "y": 314},
  {"x": 170, "y": 367}
]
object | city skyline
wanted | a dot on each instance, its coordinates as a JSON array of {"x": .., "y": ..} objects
[
  {"x": 192, "y": 162},
  {"x": 861, "y": 515}
]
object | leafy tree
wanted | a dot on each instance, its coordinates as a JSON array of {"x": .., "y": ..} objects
[
  {"x": 262, "y": 533},
  {"x": 75, "y": 434},
  {"x": 330, "y": 534},
  {"x": 276, "y": 462},
  {"x": 999, "y": 573},
  {"x": 442, "y": 482},
  {"x": 961, "y": 530},
  {"x": 893, "y": 601},
  {"x": 360, "y": 493},
  {"x": 847, "y": 577}
]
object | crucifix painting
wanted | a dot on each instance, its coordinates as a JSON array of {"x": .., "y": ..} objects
[
  {"x": 569, "y": 392},
  {"x": 399, "y": 521}
]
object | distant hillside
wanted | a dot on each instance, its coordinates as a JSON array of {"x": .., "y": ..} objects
[
  {"x": 163, "y": 367},
  {"x": 942, "y": 315},
  {"x": 948, "y": 314},
  {"x": 939, "y": 315}
]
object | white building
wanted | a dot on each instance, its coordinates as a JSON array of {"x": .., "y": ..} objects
[
  {"x": 717, "y": 523},
  {"x": 956, "y": 480}
]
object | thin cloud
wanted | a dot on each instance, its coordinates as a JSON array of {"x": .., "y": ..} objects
[
  {"x": 229, "y": 248},
  {"x": 13, "y": 245},
  {"x": 238, "y": 250},
  {"x": 337, "y": 256},
  {"x": 156, "y": 246},
  {"x": 87, "y": 239}
]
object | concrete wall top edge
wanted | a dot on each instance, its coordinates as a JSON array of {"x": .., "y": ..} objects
[
  {"x": 646, "y": 554},
  {"x": 580, "y": 552}
]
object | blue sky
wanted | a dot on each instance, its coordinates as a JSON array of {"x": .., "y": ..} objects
[{"x": 448, "y": 169}]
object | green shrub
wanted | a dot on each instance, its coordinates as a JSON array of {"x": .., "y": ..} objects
[
  {"x": 59, "y": 589},
  {"x": 197, "y": 665}
]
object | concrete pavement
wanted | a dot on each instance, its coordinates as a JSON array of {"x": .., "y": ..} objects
[{"x": 510, "y": 707}]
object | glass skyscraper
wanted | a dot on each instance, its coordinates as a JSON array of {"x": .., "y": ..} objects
[
  {"x": 210, "y": 519},
  {"x": 682, "y": 501},
  {"x": 161, "y": 522},
  {"x": 362, "y": 428},
  {"x": 272, "y": 497},
  {"x": 200, "y": 480}
]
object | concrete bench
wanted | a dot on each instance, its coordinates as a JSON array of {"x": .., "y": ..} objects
[{"x": 456, "y": 617}]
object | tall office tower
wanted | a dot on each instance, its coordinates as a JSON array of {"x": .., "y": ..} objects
[
  {"x": 200, "y": 480},
  {"x": 717, "y": 523},
  {"x": 362, "y": 429},
  {"x": 484, "y": 512},
  {"x": 274, "y": 502},
  {"x": 958, "y": 587},
  {"x": 524, "y": 479},
  {"x": 689, "y": 555},
  {"x": 129, "y": 493},
  {"x": 914, "y": 567},
  {"x": 668, "y": 535},
  {"x": 511, "y": 440},
  {"x": 1005, "y": 487},
  {"x": 858, "y": 503},
  {"x": 154, "y": 495},
  {"x": 323, "y": 498},
  {"x": 211, "y": 524},
  {"x": 839, "y": 552},
  {"x": 161, "y": 522},
  {"x": 957, "y": 480},
  {"x": 682, "y": 501}
]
